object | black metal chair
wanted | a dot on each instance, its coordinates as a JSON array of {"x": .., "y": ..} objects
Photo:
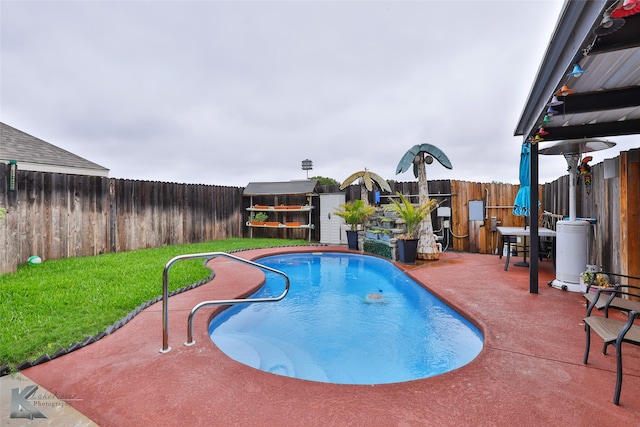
[
  {"x": 508, "y": 240},
  {"x": 612, "y": 332},
  {"x": 547, "y": 249},
  {"x": 608, "y": 300}
]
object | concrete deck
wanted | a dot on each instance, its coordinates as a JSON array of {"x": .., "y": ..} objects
[{"x": 530, "y": 372}]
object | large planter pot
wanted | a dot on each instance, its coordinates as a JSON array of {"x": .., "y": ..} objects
[
  {"x": 352, "y": 239},
  {"x": 407, "y": 250}
]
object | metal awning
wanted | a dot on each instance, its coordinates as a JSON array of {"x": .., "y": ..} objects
[
  {"x": 604, "y": 101},
  {"x": 606, "y": 98},
  {"x": 306, "y": 187}
]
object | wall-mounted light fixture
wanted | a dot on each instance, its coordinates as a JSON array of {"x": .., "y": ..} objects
[{"x": 13, "y": 171}]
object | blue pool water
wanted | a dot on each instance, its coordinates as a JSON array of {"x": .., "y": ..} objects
[{"x": 348, "y": 319}]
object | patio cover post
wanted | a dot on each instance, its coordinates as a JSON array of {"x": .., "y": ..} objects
[
  {"x": 533, "y": 220},
  {"x": 576, "y": 22}
]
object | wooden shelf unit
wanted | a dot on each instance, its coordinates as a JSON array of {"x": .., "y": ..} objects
[{"x": 282, "y": 217}]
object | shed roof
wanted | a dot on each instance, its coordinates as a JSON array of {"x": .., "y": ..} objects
[
  {"x": 34, "y": 154},
  {"x": 306, "y": 186}
]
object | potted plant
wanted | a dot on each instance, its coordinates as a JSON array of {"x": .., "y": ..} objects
[
  {"x": 592, "y": 280},
  {"x": 412, "y": 216},
  {"x": 354, "y": 214},
  {"x": 258, "y": 218}
]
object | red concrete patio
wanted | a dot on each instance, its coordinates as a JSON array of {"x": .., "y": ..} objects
[{"x": 530, "y": 371}]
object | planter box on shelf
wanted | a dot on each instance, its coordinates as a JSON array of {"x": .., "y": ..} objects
[
  {"x": 260, "y": 207},
  {"x": 293, "y": 224},
  {"x": 386, "y": 223},
  {"x": 272, "y": 224},
  {"x": 371, "y": 235}
]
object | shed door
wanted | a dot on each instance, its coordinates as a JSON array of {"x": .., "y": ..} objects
[{"x": 330, "y": 223}]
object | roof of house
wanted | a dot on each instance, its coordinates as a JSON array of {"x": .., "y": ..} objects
[{"x": 34, "y": 154}]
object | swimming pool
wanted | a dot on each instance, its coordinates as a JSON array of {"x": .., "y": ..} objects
[{"x": 348, "y": 319}]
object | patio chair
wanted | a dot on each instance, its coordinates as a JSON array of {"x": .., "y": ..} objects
[
  {"x": 612, "y": 332},
  {"x": 547, "y": 249},
  {"x": 508, "y": 240},
  {"x": 609, "y": 299}
]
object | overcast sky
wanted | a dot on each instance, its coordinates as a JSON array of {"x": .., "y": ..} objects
[{"x": 232, "y": 92}]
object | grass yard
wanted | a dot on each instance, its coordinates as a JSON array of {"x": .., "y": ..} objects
[{"x": 50, "y": 306}]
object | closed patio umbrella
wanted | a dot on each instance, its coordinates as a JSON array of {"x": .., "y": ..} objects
[{"x": 521, "y": 206}]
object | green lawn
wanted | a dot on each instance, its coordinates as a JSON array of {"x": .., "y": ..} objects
[{"x": 50, "y": 306}]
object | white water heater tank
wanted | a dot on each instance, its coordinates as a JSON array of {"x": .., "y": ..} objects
[{"x": 571, "y": 250}]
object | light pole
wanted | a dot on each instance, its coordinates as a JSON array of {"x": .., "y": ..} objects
[{"x": 307, "y": 165}]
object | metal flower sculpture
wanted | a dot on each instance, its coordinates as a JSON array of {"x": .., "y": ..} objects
[
  {"x": 419, "y": 156},
  {"x": 367, "y": 178}
]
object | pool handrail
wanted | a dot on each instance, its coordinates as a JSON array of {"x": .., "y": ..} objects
[{"x": 208, "y": 256}]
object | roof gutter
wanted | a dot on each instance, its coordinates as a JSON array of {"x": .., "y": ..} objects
[{"x": 573, "y": 33}]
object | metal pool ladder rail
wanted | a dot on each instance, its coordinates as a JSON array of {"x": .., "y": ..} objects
[{"x": 209, "y": 256}]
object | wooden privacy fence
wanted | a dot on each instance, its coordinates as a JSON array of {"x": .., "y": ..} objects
[
  {"x": 614, "y": 202},
  {"x": 462, "y": 234},
  {"x": 58, "y": 216}
]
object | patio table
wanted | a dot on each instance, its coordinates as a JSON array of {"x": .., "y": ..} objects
[{"x": 508, "y": 233}]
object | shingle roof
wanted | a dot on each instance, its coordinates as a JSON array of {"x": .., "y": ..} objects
[{"x": 36, "y": 154}]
